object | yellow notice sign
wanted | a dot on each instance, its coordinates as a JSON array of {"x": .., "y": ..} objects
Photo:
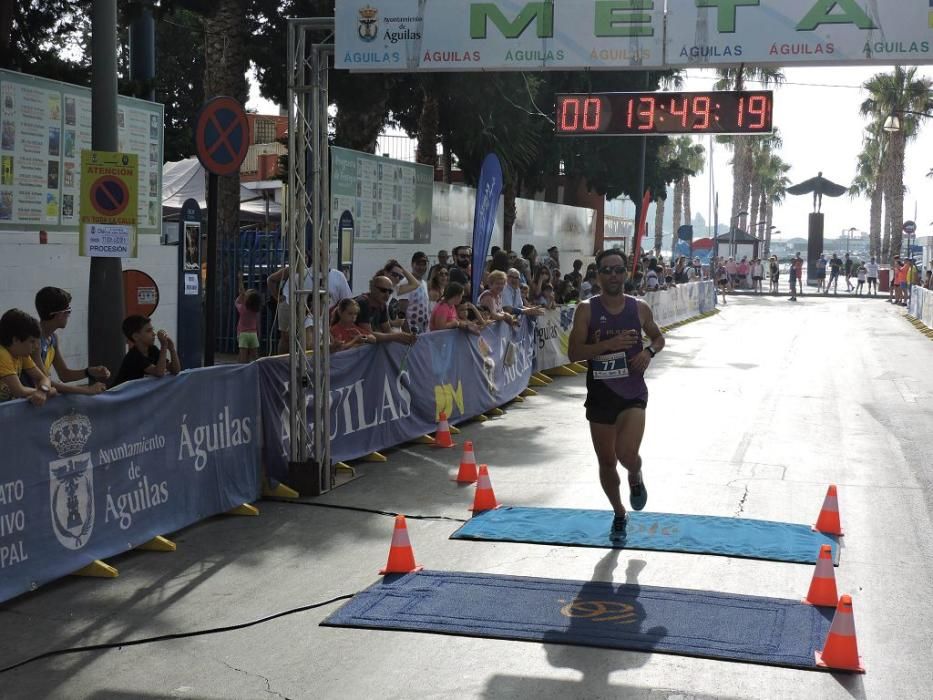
[{"x": 109, "y": 202}]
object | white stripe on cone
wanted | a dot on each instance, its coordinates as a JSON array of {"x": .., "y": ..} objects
[
  {"x": 843, "y": 623},
  {"x": 400, "y": 537},
  {"x": 824, "y": 567}
]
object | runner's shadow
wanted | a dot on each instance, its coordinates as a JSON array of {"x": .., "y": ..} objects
[{"x": 609, "y": 616}]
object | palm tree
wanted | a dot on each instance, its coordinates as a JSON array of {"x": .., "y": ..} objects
[
  {"x": 761, "y": 151},
  {"x": 896, "y": 95},
  {"x": 660, "y": 204},
  {"x": 774, "y": 184},
  {"x": 689, "y": 159},
  {"x": 868, "y": 182},
  {"x": 735, "y": 79},
  {"x": 694, "y": 162}
]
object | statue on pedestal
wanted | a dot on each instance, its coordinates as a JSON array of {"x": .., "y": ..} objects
[{"x": 819, "y": 186}]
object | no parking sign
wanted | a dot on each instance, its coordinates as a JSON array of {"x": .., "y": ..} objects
[{"x": 109, "y": 202}]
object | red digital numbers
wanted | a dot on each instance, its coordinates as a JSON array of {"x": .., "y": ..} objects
[
  {"x": 681, "y": 111},
  {"x": 580, "y": 114},
  {"x": 645, "y": 113},
  {"x": 758, "y": 107},
  {"x": 700, "y": 108},
  {"x": 646, "y": 107},
  {"x": 640, "y": 114}
]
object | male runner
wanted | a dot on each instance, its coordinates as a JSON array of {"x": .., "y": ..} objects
[{"x": 607, "y": 331}]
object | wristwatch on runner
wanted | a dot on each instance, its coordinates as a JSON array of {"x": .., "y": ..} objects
[{"x": 651, "y": 350}]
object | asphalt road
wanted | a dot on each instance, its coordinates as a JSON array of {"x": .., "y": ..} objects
[{"x": 752, "y": 413}]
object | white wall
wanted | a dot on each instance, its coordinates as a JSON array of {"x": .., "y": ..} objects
[
  {"x": 26, "y": 266},
  {"x": 542, "y": 224}
]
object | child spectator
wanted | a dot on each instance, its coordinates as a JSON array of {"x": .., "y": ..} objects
[
  {"x": 143, "y": 359},
  {"x": 248, "y": 305},
  {"x": 54, "y": 308},
  {"x": 19, "y": 339},
  {"x": 446, "y": 314},
  {"x": 344, "y": 333},
  {"x": 862, "y": 276},
  {"x": 547, "y": 299}
]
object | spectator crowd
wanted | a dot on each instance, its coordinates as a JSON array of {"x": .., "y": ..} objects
[{"x": 402, "y": 303}]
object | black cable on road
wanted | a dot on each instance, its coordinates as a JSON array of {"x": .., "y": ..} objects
[
  {"x": 359, "y": 509},
  {"x": 178, "y": 635}
]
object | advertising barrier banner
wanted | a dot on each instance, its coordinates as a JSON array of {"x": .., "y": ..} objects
[
  {"x": 388, "y": 394},
  {"x": 552, "y": 334},
  {"x": 552, "y": 329},
  {"x": 921, "y": 305},
  {"x": 682, "y": 302},
  {"x": 88, "y": 477}
]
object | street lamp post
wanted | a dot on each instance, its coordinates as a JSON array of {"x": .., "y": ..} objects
[
  {"x": 768, "y": 247},
  {"x": 760, "y": 225},
  {"x": 847, "y": 234}
]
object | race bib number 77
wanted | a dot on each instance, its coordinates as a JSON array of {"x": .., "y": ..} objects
[{"x": 613, "y": 366}]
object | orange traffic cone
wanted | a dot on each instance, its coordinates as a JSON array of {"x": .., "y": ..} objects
[
  {"x": 401, "y": 555},
  {"x": 442, "y": 436},
  {"x": 823, "y": 586},
  {"x": 467, "y": 473},
  {"x": 841, "y": 649},
  {"x": 828, "y": 522},
  {"x": 485, "y": 499}
]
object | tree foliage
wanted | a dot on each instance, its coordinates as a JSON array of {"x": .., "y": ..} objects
[
  {"x": 904, "y": 95},
  {"x": 42, "y": 37}
]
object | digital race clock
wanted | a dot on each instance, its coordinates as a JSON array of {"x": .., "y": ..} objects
[{"x": 645, "y": 113}]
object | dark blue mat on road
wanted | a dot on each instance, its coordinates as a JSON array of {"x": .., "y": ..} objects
[
  {"x": 596, "y": 614},
  {"x": 669, "y": 532}
]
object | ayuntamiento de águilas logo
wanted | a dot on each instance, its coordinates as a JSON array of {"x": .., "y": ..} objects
[
  {"x": 368, "y": 28},
  {"x": 71, "y": 482}
]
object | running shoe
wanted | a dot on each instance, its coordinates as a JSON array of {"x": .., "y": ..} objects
[
  {"x": 617, "y": 531},
  {"x": 638, "y": 494}
]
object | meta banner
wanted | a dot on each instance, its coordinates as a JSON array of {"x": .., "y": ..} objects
[
  {"x": 458, "y": 35},
  {"x": 798, "y": 32},
  {"x": 88, "y": 477},
  {"x": 455, "y": 35},
  {"x": 387, "y": 394}
]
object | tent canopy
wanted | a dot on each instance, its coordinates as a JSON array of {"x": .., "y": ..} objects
[
  {"x": 187, "y": 179},
  {"x": 740, "y": 237}
]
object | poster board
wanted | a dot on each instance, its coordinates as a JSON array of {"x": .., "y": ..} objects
[
  {"x": 390, "y": 200},
  {"x": 44, "y": 126}
]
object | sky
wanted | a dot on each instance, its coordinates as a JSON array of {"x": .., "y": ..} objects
[{"x": 817, "y": 113}]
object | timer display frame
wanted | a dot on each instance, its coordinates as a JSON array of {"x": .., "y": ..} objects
[{"x": 749, "y": 112}]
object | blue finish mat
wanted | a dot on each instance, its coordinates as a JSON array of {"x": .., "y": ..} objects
[
  {"x": 590, "y": 613},
  {"x": 669, "y": 532}
]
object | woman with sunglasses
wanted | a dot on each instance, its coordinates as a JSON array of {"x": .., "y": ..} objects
[
  {"x": 438, "y": 284},
  {"x": 607, "y": 332}
]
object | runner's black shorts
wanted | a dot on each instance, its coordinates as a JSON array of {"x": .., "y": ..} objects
[{"x": 605, "y": 407}]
